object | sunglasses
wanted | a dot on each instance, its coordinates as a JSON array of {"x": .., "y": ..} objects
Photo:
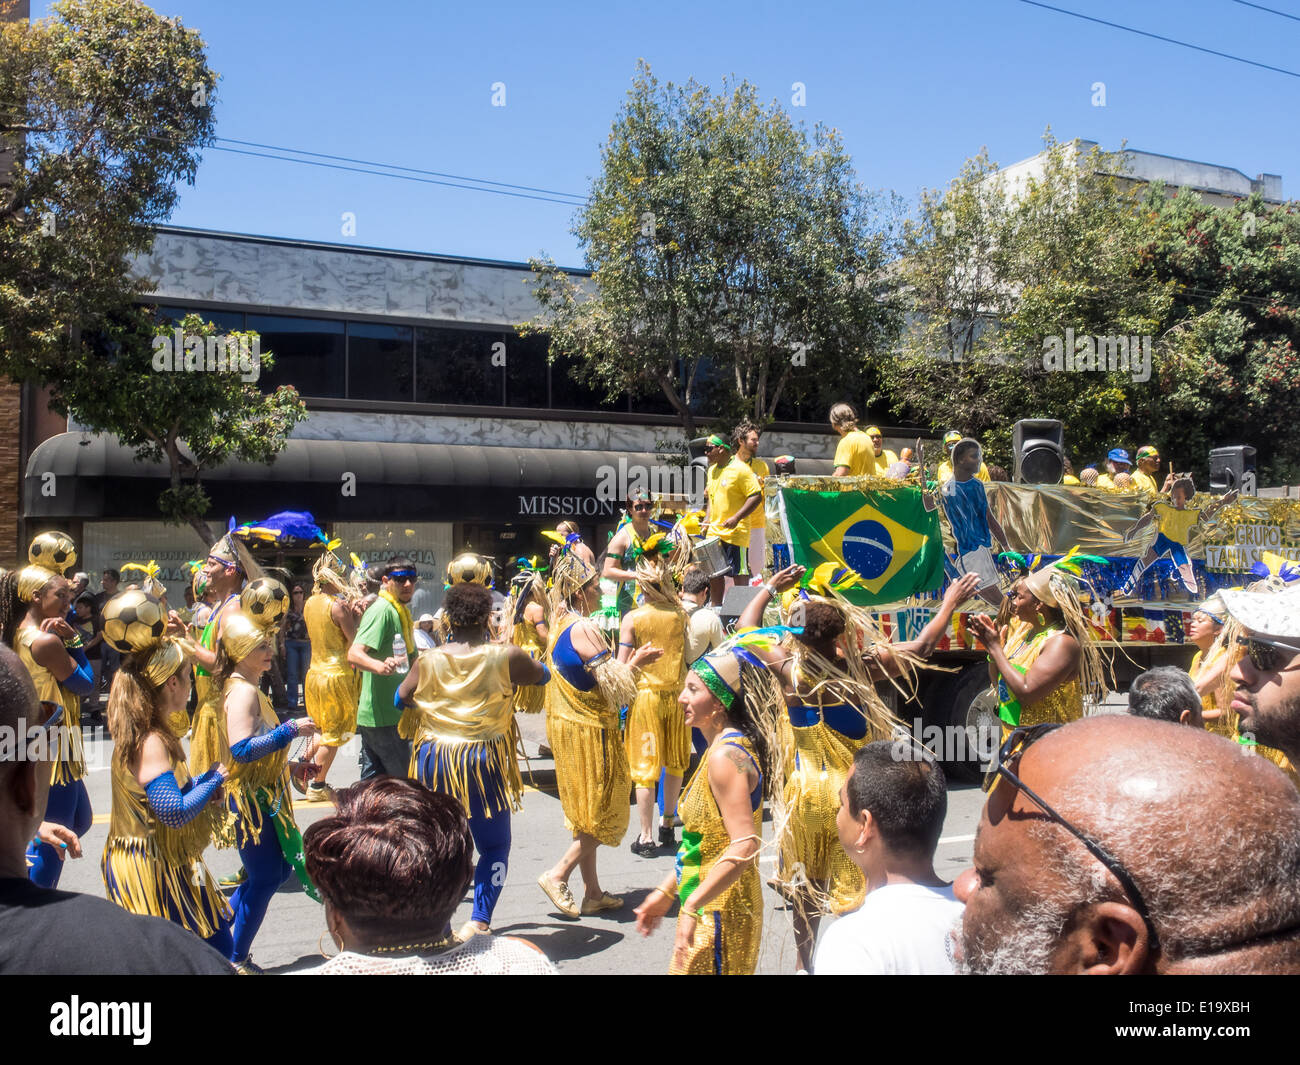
[
  {"x": 402, "y": 576},
  {"x": 642, "y": 506},
  {"x": 1015, "y": 745},
  {"x": 1269, "y": 656}
]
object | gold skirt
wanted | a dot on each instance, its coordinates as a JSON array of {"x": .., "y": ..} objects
[
  {"x": 143, "y": 885},
  {"x": 728, "y": 936},
  {"x": 331, "y": 699},
  {"x": 656, "y": 737},
  {"x": 592, "y": 776},
  {"x": 810, "y": 846}
]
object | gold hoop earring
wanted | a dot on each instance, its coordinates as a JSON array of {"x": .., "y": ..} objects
[{"x": 321, "y": 950}]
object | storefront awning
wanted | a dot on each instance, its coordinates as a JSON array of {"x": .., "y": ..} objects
[{"x": 87, "y": 476}]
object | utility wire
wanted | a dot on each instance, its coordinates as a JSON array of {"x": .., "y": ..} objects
[
  {"x": 1270, "y": 10},
  {"x": 1158, "y": 37}
]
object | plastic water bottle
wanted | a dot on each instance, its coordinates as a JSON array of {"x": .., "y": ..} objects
[{"x": 399, "y": 653}]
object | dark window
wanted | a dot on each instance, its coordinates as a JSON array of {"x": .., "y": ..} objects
[
  {"x": 455, "y": 366},
  {"x": 309, "y": 353},
  {"x": 570, "y": 393},
  {"x": 225, "y": 321},
  {"x": 526, "y": 371},
  {"x": 380, "y": 362}
]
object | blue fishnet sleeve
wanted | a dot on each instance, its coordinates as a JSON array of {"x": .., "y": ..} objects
[
  {"x": 175, "y": 807},
  {"x": 255, "y": 747},
  {"x": 81, "y": 681}
]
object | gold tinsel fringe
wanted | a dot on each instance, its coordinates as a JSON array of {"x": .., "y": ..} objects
[
  {"x": 451, "y": 774},
  {"x": 138, "y": 880}
]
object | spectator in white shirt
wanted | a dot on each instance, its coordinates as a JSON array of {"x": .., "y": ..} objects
[
  {"x": 704, "y": 629},
  {"x": 424, "y": 638},
  {"x": 892, "y": 808}
]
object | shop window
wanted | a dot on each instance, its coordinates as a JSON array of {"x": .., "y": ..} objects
[{"x": 380, "y": 362}]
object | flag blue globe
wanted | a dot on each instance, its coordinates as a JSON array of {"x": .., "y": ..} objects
[{"x": 868, "y": 548}]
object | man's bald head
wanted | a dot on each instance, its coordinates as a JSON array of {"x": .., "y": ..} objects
[{"x": 1210, "y": 837}]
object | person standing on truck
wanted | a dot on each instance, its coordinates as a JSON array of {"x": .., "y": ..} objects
[
  {"x": 1043, "y": 656},
  {"x": 1148, "y": 466},
  {"x": 1117, "y": 462},
  {"x": 950, "y": 440}
]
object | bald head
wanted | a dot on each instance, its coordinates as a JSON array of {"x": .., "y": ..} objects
[{"x": 1210, "y": 837}]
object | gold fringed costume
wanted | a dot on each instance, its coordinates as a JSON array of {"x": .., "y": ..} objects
[
  {"x": 529, "y": 698},
  {"x": 154, "y": 870},
  {"x": 1063, "y": 704},
  {"x": 657, "y": 737},
  {"x": 728, "y": 935},
  {"x": 591, "y": 770},
  {"x": 68, "y": 755},
  {"x": 268, "y": 775},
  {"x": 1226, "y": 723},
  {"x": 465, "y": 739},
  {"x": 332, "y": 688}
]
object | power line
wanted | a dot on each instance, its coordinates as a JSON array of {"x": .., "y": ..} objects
[
  {"x": 394, "y": 166},
  {"x": 1270, "y": 10},
  {"x": 399, "y": 177},
  {"x": 1158, "y": 37}
]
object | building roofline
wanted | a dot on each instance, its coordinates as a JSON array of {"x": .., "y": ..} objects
[{"x": 357, "y": 249}]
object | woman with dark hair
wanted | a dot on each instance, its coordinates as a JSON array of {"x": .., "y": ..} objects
[
  {"x": 162, "y": 821},
  {"x": 732, "y": 698},
  {"x": 35, "y": 606},
  {"x": 583, "y": 698},
  {"x": 465, "y": 734},
  {"x": 392, "y": 864}
]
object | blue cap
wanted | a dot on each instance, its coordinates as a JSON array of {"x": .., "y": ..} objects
[{"x": 1118, "y": 454}]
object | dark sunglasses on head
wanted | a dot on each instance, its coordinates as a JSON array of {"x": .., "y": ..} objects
[
  {"x": 1015, "y": 745},
  {"x": 1269, "y": 656}
]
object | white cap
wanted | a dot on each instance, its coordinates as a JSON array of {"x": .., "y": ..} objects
[
  {"x": 1267, "y": 613},
  {"x": 423, "y": 618}
]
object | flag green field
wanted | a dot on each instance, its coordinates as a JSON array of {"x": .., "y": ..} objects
[{"x": 887, "y": 538}]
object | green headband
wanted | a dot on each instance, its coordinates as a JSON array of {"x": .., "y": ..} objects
[
  {"x": 714, "y": 682},
  {"x": 717, "y": 441}
]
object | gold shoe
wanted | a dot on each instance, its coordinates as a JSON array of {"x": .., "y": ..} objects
[
  {"x": 559, "y": 894},
  {"x": 469, "y": 930},
  {"x": 605, "y": 902}
]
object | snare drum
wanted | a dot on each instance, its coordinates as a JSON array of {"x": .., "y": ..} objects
[{"x": 710, "y": 555}]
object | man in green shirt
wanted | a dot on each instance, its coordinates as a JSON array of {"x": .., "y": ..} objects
[{"x": 382, "y": 650}]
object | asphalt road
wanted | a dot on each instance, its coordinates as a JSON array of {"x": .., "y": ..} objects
[{"x": 290, "y": 938}]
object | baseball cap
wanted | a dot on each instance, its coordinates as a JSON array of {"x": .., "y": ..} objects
[
  {"x": 1267, "y": 613},
  {"x": 1118, "y": 454},
  {"x": 951, "y": 437}
]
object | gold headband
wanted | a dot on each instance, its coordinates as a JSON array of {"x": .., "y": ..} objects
[
  {"x": 31, "y": 579},
  {"x": 241, "y": 636},
  {"x": 166, "y": 659}
]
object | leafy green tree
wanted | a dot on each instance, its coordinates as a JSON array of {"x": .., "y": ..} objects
[
  {"x": 106, "y": 106},
  {"x": 177, "y": 407},
  {"x": 734, "y": 260}
]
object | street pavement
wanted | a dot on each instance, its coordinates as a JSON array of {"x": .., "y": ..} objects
[{"x": 291, "y": 936}]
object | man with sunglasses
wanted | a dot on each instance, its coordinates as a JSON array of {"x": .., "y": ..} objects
[
  {"x": 383, "y": 649},
  {"x": 620, "y": 562},
  {"x": 1087, "y": 861},
  {"x": 1267, "y": 678}
]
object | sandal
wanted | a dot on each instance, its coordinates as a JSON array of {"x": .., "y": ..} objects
[{"x": 559, "y": 894}]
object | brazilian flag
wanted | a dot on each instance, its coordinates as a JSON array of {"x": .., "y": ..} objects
[{"x": 889, "y": 541}]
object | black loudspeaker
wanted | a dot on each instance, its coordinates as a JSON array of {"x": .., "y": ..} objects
[
  {"x": 1039, "y": 447},
  {"x": 734, "y": 601},
  {"x": 1230, "y": 467}
]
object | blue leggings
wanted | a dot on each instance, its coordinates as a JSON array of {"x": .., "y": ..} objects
[
  {"x": 267, "y": 870},
  {"x": 220, "y": 940},
  {"x": 491, "y": 834},
  {"x": 69, "y": 806}
]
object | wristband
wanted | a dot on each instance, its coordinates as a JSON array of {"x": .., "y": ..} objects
[
  {"x": 73, "y": 643},
  {"x": 770, "y": 590}
]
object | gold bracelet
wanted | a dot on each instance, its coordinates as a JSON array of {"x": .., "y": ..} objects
[{"x": 665, "y": 894}]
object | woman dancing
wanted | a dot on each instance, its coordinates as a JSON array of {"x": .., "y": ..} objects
[
  {"x": 464, "y": 744},
  {"x": 162, "y": 821}
]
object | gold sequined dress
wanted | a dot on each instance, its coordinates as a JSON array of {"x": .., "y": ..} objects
[
  {"x": 1226, "y": 723},
  {"x": 657, "y": 736},
  {"x": 529, "y": 698},
  {"x": 821, "y": 755},
  {"x": 208, "y": 733},
  {"x": 727, "y": 936},
  {"x": 261, "y": 786},
  {"x": 466, "y": 735},
  {"x": 591, "y": 770},
  {"x": 67, "y": 754},
  {"x": 154, "y": 870},
  {"x": 1063, "y": 704},
  {"x": 332, "y": 687}
]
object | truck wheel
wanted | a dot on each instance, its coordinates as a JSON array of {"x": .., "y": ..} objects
[{"x": 967, "y": 708}]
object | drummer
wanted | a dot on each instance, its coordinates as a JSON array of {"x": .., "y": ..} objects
[
  {"x": 619, "y": 563},
  {"x": 733, "y": 494}
]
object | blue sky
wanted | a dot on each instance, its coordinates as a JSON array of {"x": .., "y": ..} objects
[{"x": 915, "y": 88}]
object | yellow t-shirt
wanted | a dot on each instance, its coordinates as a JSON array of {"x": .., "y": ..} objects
[
  {"x": 945, "y": 472},
  {"x": 884, "y": 460},
  {"x": 1174, "y": 523},
  {"x": 757, "y": 519},
  {"x": 729, "y": 486},
  {"x": 1145, "y": 482},
  {"x": 1071, "y": 479},
  {"x": 855, "y": 451}
]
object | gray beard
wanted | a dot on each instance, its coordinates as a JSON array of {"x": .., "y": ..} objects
[{"x": 1026, "y": 951}]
